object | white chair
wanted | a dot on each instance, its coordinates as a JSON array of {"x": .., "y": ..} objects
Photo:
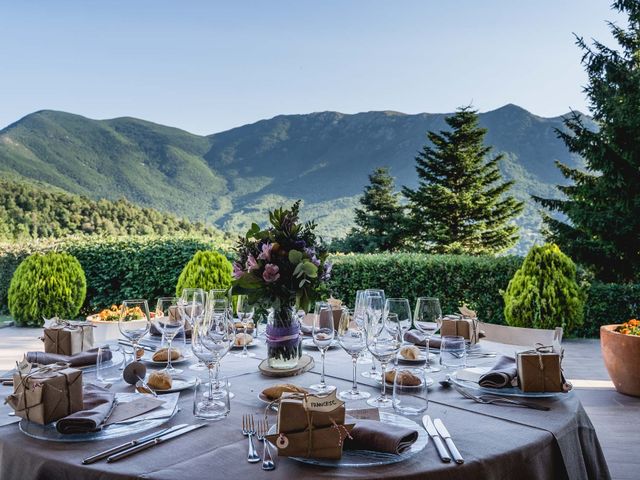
[{"x": 521, "y": 336}]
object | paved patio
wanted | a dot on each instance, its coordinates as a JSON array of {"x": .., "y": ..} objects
[{"x": 616, "y": 417}]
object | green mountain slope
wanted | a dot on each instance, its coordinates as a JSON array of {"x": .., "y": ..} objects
[{"x": 233, "y": 177}]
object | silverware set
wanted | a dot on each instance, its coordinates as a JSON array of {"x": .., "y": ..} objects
[
  {"x": 437, "y": 431},
  {"x": 249, "y": 429},
  {"x": 497, "y": 400}
]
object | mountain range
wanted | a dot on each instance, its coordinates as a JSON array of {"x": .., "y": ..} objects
[{"x": 230, "y": 179}]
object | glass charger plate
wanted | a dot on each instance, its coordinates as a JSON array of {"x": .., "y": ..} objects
[
  {"x": 308, "y": 343},
  {"x": 367, "y": 458},
  {"x": 503, "y": 392},
  {"x": 50, "y": 434}
]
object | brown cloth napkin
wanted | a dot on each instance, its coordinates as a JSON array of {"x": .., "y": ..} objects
[
  {"x": 380, "y": 437},
  {"x": 503, "y": 374},
  {"x": 419, "y": 339},
  {"x": 82, "y": 359},
  {"x": 97, "y": 405}
]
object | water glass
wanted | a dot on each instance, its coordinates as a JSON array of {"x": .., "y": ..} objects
[
  {"x": 206, "y": 407},
  {"x": 170, "y": 322},
  {"x": 453, "y": 352},
  {"x": 373, "y": 309},
  {"x": 410, "y": 393},
  {"x": 323, "y": 334},
  {"x": 427, "y": 318},
  {"x": 108, "y": 364},
  {"x": 353, "y": 339},
  {"x": 400, "y": 307},
  {"x": 245, "y": 323},
  {"x": 135, "y": 321},
  {"x": 383, "y": 343}
]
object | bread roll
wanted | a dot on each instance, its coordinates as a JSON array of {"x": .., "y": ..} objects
[
  {"x": 276, "y": 391},
  {"x": 159, "y": 380},
  {"x": 242, "y": 339},
  {"x": 405, "y": 378},
  {"x": 410, "y": 352},
  {"x": 162, "y": 355}
]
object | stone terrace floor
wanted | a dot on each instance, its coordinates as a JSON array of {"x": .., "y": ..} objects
[{"x": 616, "y": 417}]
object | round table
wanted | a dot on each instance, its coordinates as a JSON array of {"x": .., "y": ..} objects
[{"x": 496, "y": 441}]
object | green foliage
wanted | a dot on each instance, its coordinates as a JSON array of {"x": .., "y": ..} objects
[
  {"x": 460, "y": 205},
  {"x": 44, "y": 286},
  {"x": 455, "y": 279},
  {"x": 609, "y": 303},
  {"x": 544, "y": 292},
  {"x": 29, "y": 210},
  {"x": 602, "y": 205},
  {"x": 116, "y": 268},
  {"x": 206, "y": 270},
  {"x": 380, "y": 220}
]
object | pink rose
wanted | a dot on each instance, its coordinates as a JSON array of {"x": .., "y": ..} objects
[
  {"x": 252, "y": 263},
  {"x": 266, "y": 252},
  {"x": 270, "y": 273}
]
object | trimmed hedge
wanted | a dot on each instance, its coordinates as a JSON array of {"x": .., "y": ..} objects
[{"x": 609, "y": 303}]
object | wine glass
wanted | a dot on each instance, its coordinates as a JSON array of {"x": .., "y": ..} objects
[
  {"x": 191, "y": 307},
  {"x": 170, "y": 322},
  {"x": 373, "y": 311},
  {"x": 353, "y": 339},
  {"x": 244, "y": 313},
  {"x": 400, "y": 307},
  {"x": 134, "y": 322},
  {"x": 323, "y": 334},
  {"x": 383, "y": 341},
  {"x": 428, "y": 319},
  {"x": 358, "y": 316}
]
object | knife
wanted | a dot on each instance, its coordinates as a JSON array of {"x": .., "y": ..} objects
[
  {"x": 437, "y": 441},
  {"x": 145, "y": 347},
  {"x": 444, "y": 433},
  {"x": 152, "y": 443},
  {"x": 119, "y": 448}
]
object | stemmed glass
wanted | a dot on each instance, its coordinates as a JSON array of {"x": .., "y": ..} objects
[
  {"x": 373, "y": 314},
  {"x": 383, "y": 341},
  {"x": 130, "y": 325},
  {"x": 191, "y": 308},
  {"x": 244, "y": 313},
  {"x": 170, "y": 322},
  {"x": 359, "y": 317},
  {"x": 400, "y": 307},
  {"x": 353, "y": 339},
  {"x": 323, "y": 334},
  {"x": 428, "y": 319}
]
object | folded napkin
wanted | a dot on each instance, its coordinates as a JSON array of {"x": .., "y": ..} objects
[
  {"x": 380, "y": 437},
  {"x": 419, "y": 339},
  {"x": 82, "y": 359},
  {"x": 503, "y": 374},
  {"x": 97, "y": 403}
]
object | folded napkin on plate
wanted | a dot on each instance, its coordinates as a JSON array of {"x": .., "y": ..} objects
[
  {"x": 380, "y": 437},
  {"x": 419, "y": 339},
  {"x": 97, "y": 403},
  {"x": 82, "y": 359},
  {"x": 503, "y": 374}
]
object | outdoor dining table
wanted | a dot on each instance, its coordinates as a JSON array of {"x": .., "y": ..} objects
[{"x": 497, "y": 442}]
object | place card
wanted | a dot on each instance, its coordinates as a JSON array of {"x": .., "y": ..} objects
[
  {"x": 134, "y": 408},
  {"x": 364, "y": 414}
]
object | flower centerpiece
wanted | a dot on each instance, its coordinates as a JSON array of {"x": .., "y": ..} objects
[
  {"x": 281, "y": 269},
  {"x": 632, "y": 327}
]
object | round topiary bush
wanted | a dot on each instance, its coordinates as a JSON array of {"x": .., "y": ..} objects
[
  {"x": 544, "y": 292},
  {"x": 206, "y": 270},
  {"x": 44, "y": 286}
]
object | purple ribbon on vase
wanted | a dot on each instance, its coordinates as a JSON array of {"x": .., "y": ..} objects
[{"x": 283, "y": 336}]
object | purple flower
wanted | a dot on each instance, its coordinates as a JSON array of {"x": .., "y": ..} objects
[
  {"x": 300, "y": 244},
  {"x": 252, "y": 263},
  {"x": 270, "y": 273},
  {"x": 311, "y": 253},
  {"x": 327, "y": 270},
  {"x": 266, "y": 252},
  {"x": 238, "y": 271}
]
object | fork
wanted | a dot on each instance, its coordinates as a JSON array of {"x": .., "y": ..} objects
[
  {"x": 263, "y": 429},
  {"x": 493, "y": 400},
  {"x": 249, "y": 430}
]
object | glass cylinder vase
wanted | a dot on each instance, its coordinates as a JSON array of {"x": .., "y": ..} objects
[{"x": 283, "y": 338}]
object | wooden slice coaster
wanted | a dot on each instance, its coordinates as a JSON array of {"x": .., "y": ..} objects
[{"x": 305, "y": 364}]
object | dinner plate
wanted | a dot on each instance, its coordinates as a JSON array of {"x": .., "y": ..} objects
[
  {"x": 308, "y": 343},
  {"x": 153, "y": 419},
  {"x": 429, "y": 381},
  {"x": 504, "y": 392},
  {"x": 148, "y": 359},
  {"x": 254, "y": 343},
  {"x": 368, "y": 458},
  {"x": 178, "y": 383},
  {"x": 263, "y": 398}
]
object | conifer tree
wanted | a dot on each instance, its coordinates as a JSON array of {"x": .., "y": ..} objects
[
  {"x": 461, "y": 203},
  {"x": 380, "y": 220},
  {"x": 602, "y": 204}
]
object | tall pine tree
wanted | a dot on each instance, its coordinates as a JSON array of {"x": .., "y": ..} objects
[
  {"x": 380, "y": 221},
  {"x": 602, "y": 204},
  {"x": 460, "y": 205}
]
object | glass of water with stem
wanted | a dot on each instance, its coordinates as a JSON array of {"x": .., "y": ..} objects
[
  {"x": 353, "y": 339},
  {"x": 323, "y": 334}
]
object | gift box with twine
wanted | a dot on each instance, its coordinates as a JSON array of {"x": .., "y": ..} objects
[
  {"x": 540, "y": 370},
  {"x": 68, "y": 338}
]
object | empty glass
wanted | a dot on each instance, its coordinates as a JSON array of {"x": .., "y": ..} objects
[
  {"x": 400, "y": 307},
  {"x": 191, "y": 307},
  {"x": 410, "y": 394},
  {"x": 108, "y": 364},
  {"x": 207, "y": 407},
  {"x": 383, "y": 343},
  {"x": 353, "y": 339},
  {"x": 428, "y": 318},
  {"x": 170, "y": 322},
  {"x": 134, "y": 322},
  {"x": 244, "y": 315},
  {"x": 453, "y": 352},
  {"x": 323, "y": 334},
  {"x": 373, "y": 314}
]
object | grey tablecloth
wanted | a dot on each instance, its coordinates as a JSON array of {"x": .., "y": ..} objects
[{"x": 497, "y": 442}]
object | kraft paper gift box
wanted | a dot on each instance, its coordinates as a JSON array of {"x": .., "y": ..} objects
[
  {"x": 310, "y": 426},
  {"x": 540, "y": 370},
  {"x": 44, "y": 395},
  {"x": 460, "y": 326},
  {"x": 68, "y": 338}
]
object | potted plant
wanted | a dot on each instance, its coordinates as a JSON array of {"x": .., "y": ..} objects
[
  {"x": 281, "y": 269},
  {"x": 621, "y": 352},
  {"x": 106, "y": 322}
]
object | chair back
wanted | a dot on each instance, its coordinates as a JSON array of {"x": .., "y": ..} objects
[{"x": 521, "y": 336}]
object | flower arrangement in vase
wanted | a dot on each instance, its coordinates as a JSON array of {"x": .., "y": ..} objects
[{"x": 281, "y": 269}]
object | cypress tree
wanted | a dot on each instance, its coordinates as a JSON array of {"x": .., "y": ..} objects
[
  {"x": 602, "y": 204},
  {"x": 460, "y": 205}
]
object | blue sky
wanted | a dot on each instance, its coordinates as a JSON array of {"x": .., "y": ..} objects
[{"x": 207, "y": 66}]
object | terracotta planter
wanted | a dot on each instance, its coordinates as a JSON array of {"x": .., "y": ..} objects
[
  {"x": 107, "y": 331},
  {"x": 621, "y": 354}
]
